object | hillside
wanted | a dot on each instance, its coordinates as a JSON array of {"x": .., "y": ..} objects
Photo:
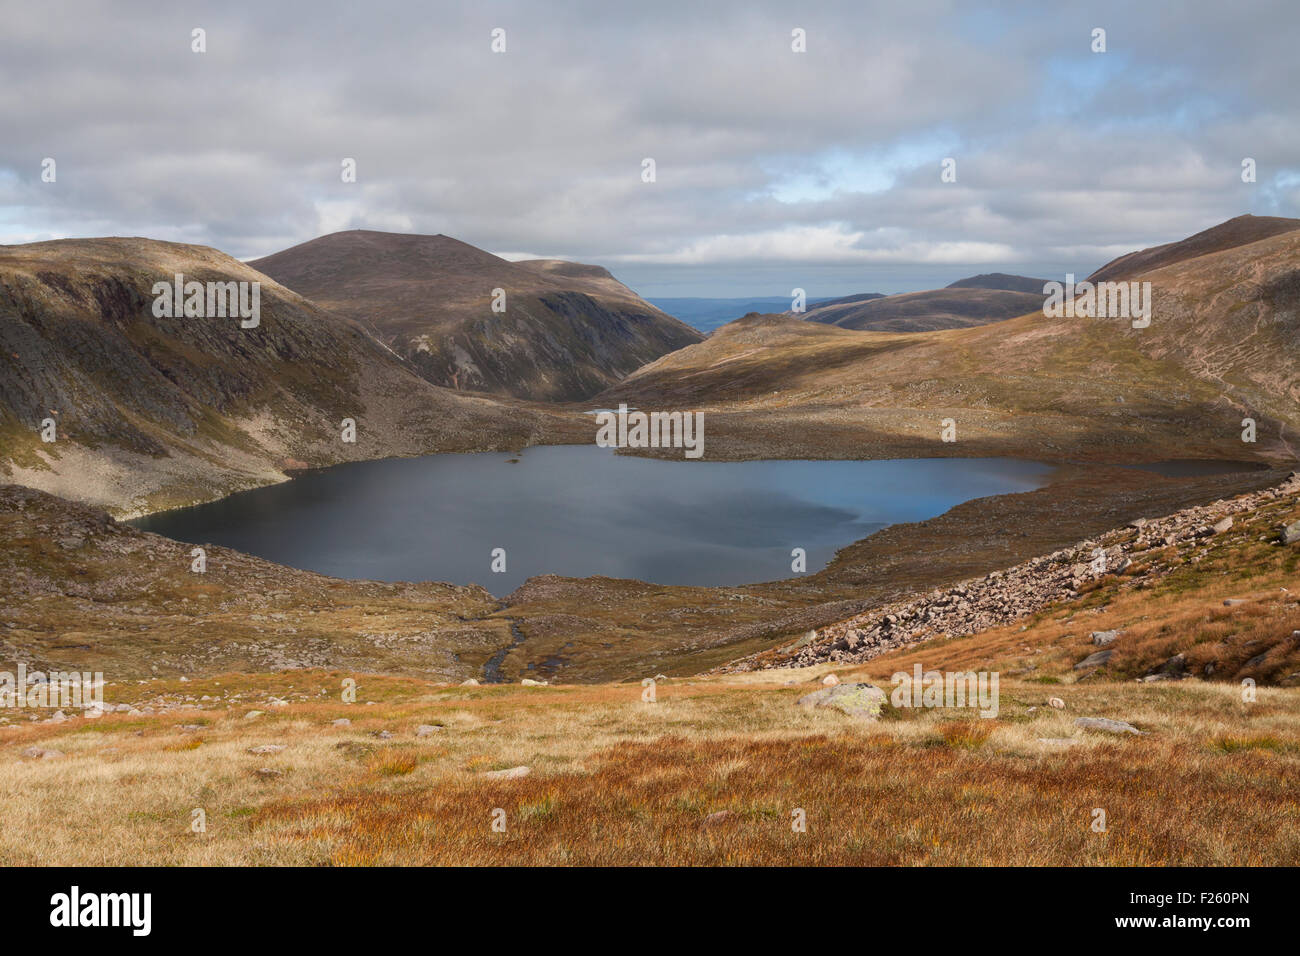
[
  {"x": 1000, "y": 280},
  {"x": 1220, "y": 348},
  {"x": 568, "y": 331},
  {"x": 955, "y": 307},
  {"x": 1238, "y": 231},
  {"x": 710, "y": 769},
  {"x": 155, "y": 411}
]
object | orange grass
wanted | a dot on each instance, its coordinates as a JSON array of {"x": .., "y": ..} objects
[{"x": 866, "y": 801}]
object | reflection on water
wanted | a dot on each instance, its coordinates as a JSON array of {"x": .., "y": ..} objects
[{"x": 581, "y": 510}]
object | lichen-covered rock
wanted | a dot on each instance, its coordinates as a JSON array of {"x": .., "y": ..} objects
[
  {"x": 1106, "y": 724},
  {"x": 861, "y": 701}
]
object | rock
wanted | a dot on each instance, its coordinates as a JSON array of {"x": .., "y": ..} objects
[
  {"x": 1094, "y": 660},
  {"x": 1106, "y": 724},
  {"x": 253, "y": 715},
  {"x": 424, "y": 730},
  {"x": 1138, "y": 523},
  {"x": 41, "y": 753},
  {"x": 1176, "y": 666},
  {"x": 1056, "y": 703},
  {"x": 1221, "y": 526},
  {"x": 514, "y": 773},
  {"x": 267, "y": 749},
  {"x": 1102, "y": 638},
  {"x": 529, "y": 682},
  {"x": 1291, "y": 533},
  {"x": 1233, "y": 602},
  {"x": 382, "y": 734},
  {"x": 830, "y": 680},
  {"x": 341, "y": 722},
  {"x": 469, "y": 683},
  {"x": 862, "y": 701},
  {"x": 71, "y": 543}
]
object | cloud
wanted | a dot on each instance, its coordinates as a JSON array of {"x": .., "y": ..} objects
[{"x": 826, "y": 159}]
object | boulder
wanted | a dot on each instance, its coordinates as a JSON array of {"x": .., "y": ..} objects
[
  {"x": 830, "y": 680},
  {"x": 514, "y": 773},
  {"x": 469, "y": 683},
  {"x": 1102, "y": 638},
  {"x": 861, "y": 701},
  {"x": 1222, "y": 526},
  {"x": 1291, "y": 533},
  {"x": 41, "y": 753},
  {"x": 1094, "y": 660},
  {"x": 1106, "y": 724}
]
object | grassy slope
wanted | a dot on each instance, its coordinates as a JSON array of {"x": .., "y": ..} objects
[{"x": 1219, "y": 348}]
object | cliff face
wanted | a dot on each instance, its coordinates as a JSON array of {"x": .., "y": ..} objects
[
  {"x": 562, "y": 331},
  {"x": 150, "y": 411}
]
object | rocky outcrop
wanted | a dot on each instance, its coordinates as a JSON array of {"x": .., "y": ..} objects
[{"x": 1004, "y": 597}]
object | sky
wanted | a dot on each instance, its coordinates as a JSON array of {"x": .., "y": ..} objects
[{"x": 773, "y": 169}]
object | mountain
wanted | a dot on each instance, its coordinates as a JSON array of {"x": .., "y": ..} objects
[
  {"x": 1238, "y": 231},
  {"x": 568, "y": 330},
  {"x": 1000, "y": 280},
  {"x": 975, "y": 301},
  {"x": 708, "y": 314},
  {"x": 1221, "y": 347},
  {"x": 153, "y": 411}
]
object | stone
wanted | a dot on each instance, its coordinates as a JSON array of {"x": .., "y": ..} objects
[
  {"x": 1056, "y": 703},
  {"x": 1233, "y": 602},
  {"x": 268, "y": 772},
  {"x": 529, "y": 682},
  {"x": 1106, "y": 724},
  {"x": 469, "y": 683},
  {"x": 1221, "y": 526},
  {"x": 1102, "y": 638},
  {"x": 425, "y": 730},
  {"x": 514, "y": 773},
  {"x": 252, "y": 715},
  {"x": 341, "y": 722},
  {"x": 267, "y": 749},
  {"x": 861, "y": 701},
  {"x": 830, "y": 680},
  {"x": 41, "y": 753},
  {"x": 1291, "y": 533},
  {"x": 1094, "y": 660}
]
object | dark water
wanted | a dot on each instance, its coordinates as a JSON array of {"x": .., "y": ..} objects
[{"x": 581, "y": 510}]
